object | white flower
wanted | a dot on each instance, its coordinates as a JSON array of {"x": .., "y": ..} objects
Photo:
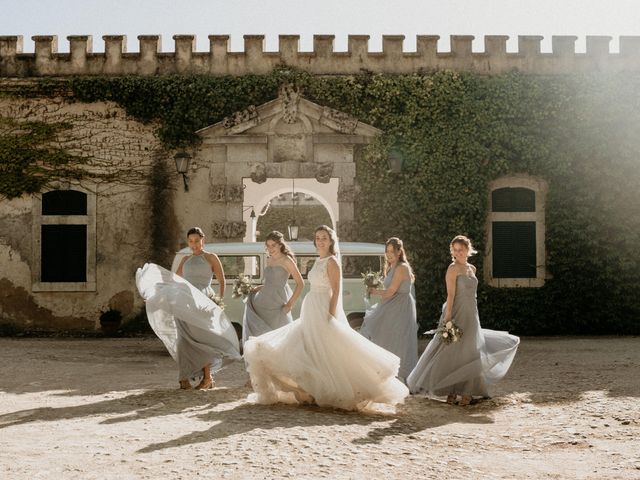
[
  {"x": 445, "y": 335},
  {"x": 449, "y": 325}
]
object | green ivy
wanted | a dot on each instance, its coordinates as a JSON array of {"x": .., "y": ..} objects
[
  {"x": 28, "y": 158},
  {"x": 458, "y": 132}
]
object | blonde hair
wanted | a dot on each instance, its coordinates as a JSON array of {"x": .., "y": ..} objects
[{"x": 462, "y": 240}]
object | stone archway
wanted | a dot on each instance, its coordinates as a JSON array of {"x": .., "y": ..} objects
[
  {"x": 257, "y": 196},
  {"x": 289, "y": 137}
]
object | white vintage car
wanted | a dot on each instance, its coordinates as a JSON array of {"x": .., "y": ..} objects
[{"x": 249, "y": 259}]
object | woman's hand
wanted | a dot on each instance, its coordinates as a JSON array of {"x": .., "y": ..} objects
[
  {"x": 286, "y": 308},
  {"x": 373, "y": 291}
]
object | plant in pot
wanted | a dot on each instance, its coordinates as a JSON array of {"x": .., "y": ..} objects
[{"x": 110, "y": 322}]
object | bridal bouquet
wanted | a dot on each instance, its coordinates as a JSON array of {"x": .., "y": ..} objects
[
  {"x": 449, "y": 332},
  {"x": 241, "y": 287},
  {"x": 218, "y": 300},
  {"x": 371, "y": 279}
]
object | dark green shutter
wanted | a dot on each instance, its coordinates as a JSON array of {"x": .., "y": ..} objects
[
  {"x": 514, "y": 249},
  {"x": 513, "y": 200},
  {"x": 64, "y": 253}
]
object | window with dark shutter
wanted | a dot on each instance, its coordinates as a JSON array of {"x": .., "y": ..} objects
[
  {"x": 63, "y": 237},
  {"x": 513, "y": 200},
  {"x": 514, "y": 249},
  {"x": 64, "y": 253}
]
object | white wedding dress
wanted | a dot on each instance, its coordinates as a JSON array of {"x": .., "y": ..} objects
[{"x": 319, "y": 358}]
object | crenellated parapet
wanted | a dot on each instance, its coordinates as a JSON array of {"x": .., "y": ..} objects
[{"x": 323, "y": 60}]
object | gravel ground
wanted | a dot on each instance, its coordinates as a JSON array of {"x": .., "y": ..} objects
[{"x": 110, "y": 409}]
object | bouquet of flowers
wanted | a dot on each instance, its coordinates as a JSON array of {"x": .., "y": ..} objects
[
  {"x": 449, "y": 332},
  {"x": 241, "y": 287},
  {"x": 217, "y": 299},
  {"x": 371, "y": 279}
]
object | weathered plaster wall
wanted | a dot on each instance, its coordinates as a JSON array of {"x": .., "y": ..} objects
[{"x": 112, "y": 142}]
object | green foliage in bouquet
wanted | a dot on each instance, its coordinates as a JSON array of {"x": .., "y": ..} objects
[
  {"x": 242, "y": 286},
  {"x": 371, "y": 279}
]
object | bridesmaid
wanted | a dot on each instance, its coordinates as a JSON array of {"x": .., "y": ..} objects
[
  {"x": 481, "y": 357},
  {"x": 269, "y": 306},
  {"x": 195, "y": 347},
  {"x": 392, "y": 322}
]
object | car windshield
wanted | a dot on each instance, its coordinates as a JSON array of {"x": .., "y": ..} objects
[{"x": 235, "y": 265}]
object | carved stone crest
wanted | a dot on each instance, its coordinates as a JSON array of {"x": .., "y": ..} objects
[
  {"x": 259, "y": 173},
  {"x": 324, "y": 171},
  {"x": 228, "y": 229},
  {"x": 290, "y": 95},
  {"x": 226, "y": 193},
  {"x": 339, "y": 121},
  {"x": 242, "y": 120},
  {"x": 217, "y": 193}
]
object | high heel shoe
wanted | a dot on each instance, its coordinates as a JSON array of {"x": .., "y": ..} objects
[
  {"x": 185, "y": 385},
  {"x": 206, "y": 384}
]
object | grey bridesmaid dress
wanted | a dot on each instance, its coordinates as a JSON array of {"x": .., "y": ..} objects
[
  {"x": 197, "y": 347},
  {"x": 467, "y": 367},
  {"x": 263, "y": 310},
  {"x": 392, "y": 324}
]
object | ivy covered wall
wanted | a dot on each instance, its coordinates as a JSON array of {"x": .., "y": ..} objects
[{"x": 457, "y": 132}]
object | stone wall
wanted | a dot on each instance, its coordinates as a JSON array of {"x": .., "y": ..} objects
[
  {"x": 150, "y": 60},
  {"x": 112, "y": 142}
]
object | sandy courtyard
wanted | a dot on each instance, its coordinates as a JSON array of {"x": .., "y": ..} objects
[{"x": 109, "y": 409}]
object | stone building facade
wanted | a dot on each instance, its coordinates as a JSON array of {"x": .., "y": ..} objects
[{"x": 287, "y": 138}]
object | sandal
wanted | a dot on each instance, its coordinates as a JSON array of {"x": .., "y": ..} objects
[
  {"x": 185, "y": 385},
  {"x": 206, "y": 383},
  {"x": 465, "y": 400},
  {"x": 451, "y": 398}
]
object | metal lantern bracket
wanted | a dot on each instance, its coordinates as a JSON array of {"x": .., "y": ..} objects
[
  {"x": 293, "y": 228},
  {"x": 183, "y": 161}
]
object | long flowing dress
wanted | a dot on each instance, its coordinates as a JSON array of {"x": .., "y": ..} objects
[
  {"x": 263, "y": 310},
  {"x": 467, "y": 367},
  {"x": 322, "y": 357},
  {"x": 192, "y": 327},
  {"x": 392, "y": 324}
]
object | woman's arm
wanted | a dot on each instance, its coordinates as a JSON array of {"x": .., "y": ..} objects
[
  {"x": 179, "y": 269},
  {"x": 451, "y": 291},
  {"x": 292, "y": 268},
  {"x": 333, "y": 270},
  {"x": 218, "y": 271},
  {"x": 400, "y": 275}
]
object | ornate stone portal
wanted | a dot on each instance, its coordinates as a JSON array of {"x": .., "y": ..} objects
[{"x": 289, "y": 137}]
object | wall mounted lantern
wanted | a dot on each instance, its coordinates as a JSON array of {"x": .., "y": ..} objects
[{"x": 183, "y": 161}]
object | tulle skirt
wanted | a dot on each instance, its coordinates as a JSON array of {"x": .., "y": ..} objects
[
  {"x": 192, "y": 327},
  {"x": 392, "y": 325},
  {"x": 319, "y": 358},
  {"x": 468, "y": 367}
]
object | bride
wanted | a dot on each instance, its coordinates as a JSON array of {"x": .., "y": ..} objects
[{"x": 319, "y": 358}]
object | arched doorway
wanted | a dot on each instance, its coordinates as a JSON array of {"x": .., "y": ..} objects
[{"x": 271, "y": 202}]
